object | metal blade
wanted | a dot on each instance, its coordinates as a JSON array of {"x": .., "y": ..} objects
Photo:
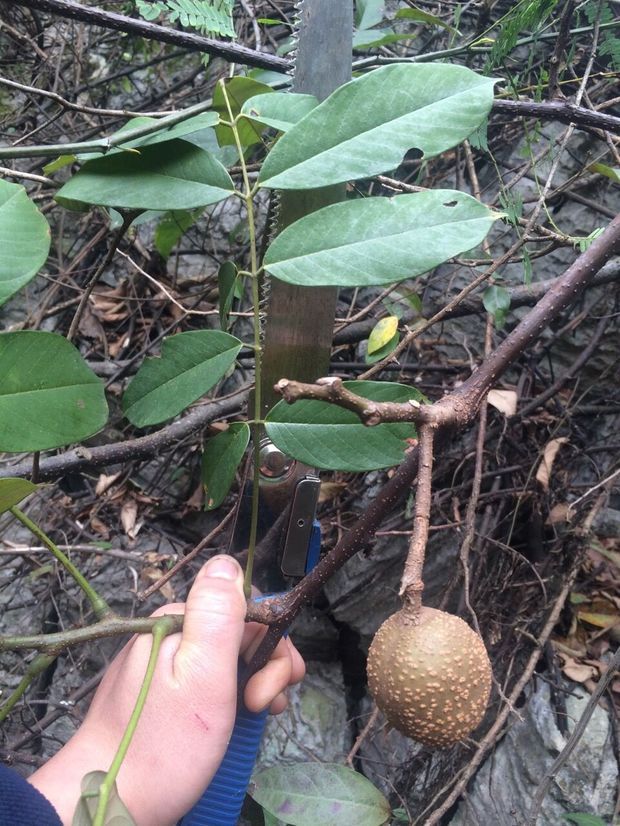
[{"x": 299, "y": 320}]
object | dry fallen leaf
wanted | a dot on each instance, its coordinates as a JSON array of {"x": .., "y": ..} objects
[
  {"x": 558, "y": 513},
  {"x": 543, "y": 474},
  {"x": 578, "y": 672},
  {"x": 503, "y": 400},
  {"x": 105, "y": 482},
  {"x": 129, "y": 515}
]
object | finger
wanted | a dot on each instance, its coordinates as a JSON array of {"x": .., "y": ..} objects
[
  {"x": 264, "y": 686},
  {"x": 280, "y": 704},
  {"x": 214, "y": 622}
]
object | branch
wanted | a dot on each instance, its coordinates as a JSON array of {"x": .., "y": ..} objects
[
  {"x": 331, "y": 389},
  {"x": 562, "y": 111},
  {"x": 523, "y": 296},
  {"x": 458, "y": 408},
  {"x": 561, "y": 295},
  {"x": 145, "y": 447},
  {"x": 151, "y": 31},
  {"x": 112, "y": 626}
]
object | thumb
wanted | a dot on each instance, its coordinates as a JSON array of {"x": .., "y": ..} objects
[{"x": 214, "y": 620}]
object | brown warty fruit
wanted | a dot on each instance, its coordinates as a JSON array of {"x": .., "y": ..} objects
[{"x": 431, "y": 678}]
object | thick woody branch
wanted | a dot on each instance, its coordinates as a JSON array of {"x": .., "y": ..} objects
[
  {"x": 151, "y": 31},
  {"x": 458, "y": 408},
  {"x": 562, "y": 111},
  {"x": 466, "y": 399},
  {"x": 145, "y": 447}
]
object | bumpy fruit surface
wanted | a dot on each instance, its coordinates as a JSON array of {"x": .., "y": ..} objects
[{"x": 430, "y": 678}]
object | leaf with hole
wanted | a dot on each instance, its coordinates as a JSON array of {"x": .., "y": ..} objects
[
  {"x": 220, "y": 460},
  {"x": 366, "y": 126},
  {"x": 13, "y": 490},
  {"x": 164, "y": 176},
  {"x": 378, "y": 240},
  {"x": 49, "y": 397},
  {"x": 190, "y": 364},
  {"x": 279, "y": 110},
  {"x": 24, "y": 239},
  {"x": 319, "y": 794},
  {"x": 327, "y": 436}
]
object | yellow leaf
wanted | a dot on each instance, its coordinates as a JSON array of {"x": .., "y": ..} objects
[
  {"x": 599, "y": 620},
  {"x": 382, "y": 333}
]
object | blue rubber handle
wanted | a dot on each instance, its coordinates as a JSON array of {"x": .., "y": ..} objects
[{"x": 221, "y": 803}]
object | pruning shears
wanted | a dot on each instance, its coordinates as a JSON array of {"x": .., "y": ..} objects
[{"x": 297, "y": 344}]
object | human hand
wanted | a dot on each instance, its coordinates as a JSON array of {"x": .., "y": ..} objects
[{"x": 190, "y": 709}]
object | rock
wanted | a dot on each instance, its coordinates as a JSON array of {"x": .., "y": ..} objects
[
  {"x": 314, "y": 726},
  {"x": 503, "y": 788}
]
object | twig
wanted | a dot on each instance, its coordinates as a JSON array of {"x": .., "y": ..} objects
[
  {"x": 111, "y": 626},
  {"x": 559, "y": 49},
  {"x": 572, "y": 741},
  {"x": 182, "y": 563},
  {"x": 115, "y": 240}
]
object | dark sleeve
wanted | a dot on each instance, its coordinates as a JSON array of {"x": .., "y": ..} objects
[{"x": 21, "y": 804}]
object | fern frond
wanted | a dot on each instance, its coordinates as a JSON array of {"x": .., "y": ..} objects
[
  {"x": 206, "y": 16},
  {"x": 527, "y": 16}
]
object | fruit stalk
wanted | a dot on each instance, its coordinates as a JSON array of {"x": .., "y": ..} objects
[{"x": 412, "y": 584}]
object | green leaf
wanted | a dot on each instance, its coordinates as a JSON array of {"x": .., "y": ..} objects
[
  {"x": 190, "y": 364},
  {"x": 496, "y": 301},
  {"x": 378, "y": 240},
  {"x": 58, "y": 163},
  {"x": 366, "y": 126},
  {"x": 171, "y": 229},
  {"x": 166, "y": 176},
  {"x": 382, "y": 352},
  {"x": 326, "y": 436},
  {"x": 220, "y": 460},
  {"x": 279, "y": 110},
  {"x": 368, "y": 13},
  {"x": 584, "y": 819},
  {"x": 413, "y": 13},
  {"x": 320, "y": 794},
  {"x": 383, "y": 332},
  {"x": 13, "y": 490},
  {"x": 24, "y": 239},
  {"x": 49, "y": 397},
  {"x": 227, "y": 281},
  {"x": 371, "y": 38},
  {"x": 238, "y": 90},
  {"x": 611, "y": 172},
  {"x": 116, "y": 812},
  {"x": 270, "y": 820}
]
